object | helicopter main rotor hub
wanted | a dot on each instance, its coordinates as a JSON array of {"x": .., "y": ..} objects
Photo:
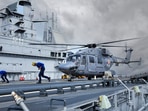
[{"x": 91, "y": 45}]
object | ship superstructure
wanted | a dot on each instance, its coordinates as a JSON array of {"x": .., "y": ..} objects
[{"x": 18, "y": 29}]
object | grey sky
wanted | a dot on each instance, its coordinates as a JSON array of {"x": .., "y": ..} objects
[{"x": 88, "y": 21}]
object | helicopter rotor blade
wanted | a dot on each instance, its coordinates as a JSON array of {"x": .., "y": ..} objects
[
  {"x": 93, "y": 45},
  {"x": 79, "y": 45},
  {"x": 56, "y": 44},
  {"x": 111, "y": 46},
  {"x": 72, "y": 48},
  {"x": 85, "y": 46},
  {"x": 117, "y": 41}
]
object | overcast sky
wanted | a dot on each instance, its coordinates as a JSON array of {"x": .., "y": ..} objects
[{"x": 88, "y": 21}]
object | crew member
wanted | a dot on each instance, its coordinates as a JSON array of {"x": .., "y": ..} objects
[
  {"x": 3, "y": 75},
  {"x": 41, "y": 67}
]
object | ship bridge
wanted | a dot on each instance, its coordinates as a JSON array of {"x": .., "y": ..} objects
[{"x": 18, "y": 28}]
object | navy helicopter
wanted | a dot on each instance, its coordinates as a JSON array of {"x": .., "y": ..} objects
[{"x": 92, "y": 61}]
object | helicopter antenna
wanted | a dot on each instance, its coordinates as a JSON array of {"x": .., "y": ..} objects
[{"x": 125, "y": 47}]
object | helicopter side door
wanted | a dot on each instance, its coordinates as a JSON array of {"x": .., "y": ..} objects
[
  {"x": 100, "y": 64},
  {"x": 91, "y": 64},
  {"x": 82, "y": 68}
]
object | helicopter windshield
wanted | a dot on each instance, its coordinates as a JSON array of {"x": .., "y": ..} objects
[{"x": 74, "y": 58}]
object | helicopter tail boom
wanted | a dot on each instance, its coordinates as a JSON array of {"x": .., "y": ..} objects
[
  {"x": 139, "y": 61},
  {"x": 127, "y": 58}
]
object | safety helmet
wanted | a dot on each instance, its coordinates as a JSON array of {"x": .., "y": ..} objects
[{"x": 33, "y": 64}]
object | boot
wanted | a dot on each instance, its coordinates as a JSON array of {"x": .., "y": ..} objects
[{"x": 49, "y": 79}]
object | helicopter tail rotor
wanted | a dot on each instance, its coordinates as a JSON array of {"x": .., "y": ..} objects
[{"x": 128, "y": 55}]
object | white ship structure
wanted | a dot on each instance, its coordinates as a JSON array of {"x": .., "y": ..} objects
[{"x": 18, "y": 28}]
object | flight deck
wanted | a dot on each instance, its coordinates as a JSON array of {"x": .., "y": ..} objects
[{"x": 78, "y": 95}]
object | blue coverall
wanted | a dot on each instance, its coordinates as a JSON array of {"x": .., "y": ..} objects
[
  {"x": 41, "y": 67},
  {"x": 4, "y": 76}
]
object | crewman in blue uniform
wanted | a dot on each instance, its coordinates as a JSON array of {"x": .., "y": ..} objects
[
  {"x": 3, "y": 75},
  {"x": 41, "y": 67}
]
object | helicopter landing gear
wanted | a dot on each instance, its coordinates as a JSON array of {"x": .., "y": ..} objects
[
  {"x": 71, "y": 78},
  {"x": 89, "y": 78}
]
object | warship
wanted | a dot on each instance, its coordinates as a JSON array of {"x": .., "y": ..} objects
[{"x": 18, "y": 28}]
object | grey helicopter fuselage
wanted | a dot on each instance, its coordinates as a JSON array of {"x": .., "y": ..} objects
[{"x": 88, "y": 62}]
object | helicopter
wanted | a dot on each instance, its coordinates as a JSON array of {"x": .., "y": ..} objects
[{"x": 93, "y": 61}]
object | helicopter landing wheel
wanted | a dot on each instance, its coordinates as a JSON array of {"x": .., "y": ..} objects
[
  {"x": 89, "y": 78},
  {"x": 69, "y": 80}
]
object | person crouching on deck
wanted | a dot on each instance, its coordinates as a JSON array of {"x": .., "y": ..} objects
[
  {"x": 41, "y": 67},
  {"x": 3, "y": 75}
]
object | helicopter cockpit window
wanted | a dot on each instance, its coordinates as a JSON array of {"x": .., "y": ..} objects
[{"x": 74, "y": 58}]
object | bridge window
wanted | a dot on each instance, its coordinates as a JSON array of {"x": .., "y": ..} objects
[
  {"x": 59, "y": 54},
  {"x": 64, "y": 54},
  {"x": 1, "y": 47},
  {"x": 52, "y": 54}
]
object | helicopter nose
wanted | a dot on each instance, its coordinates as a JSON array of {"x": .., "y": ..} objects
[{"x": 67, "y": 67}]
